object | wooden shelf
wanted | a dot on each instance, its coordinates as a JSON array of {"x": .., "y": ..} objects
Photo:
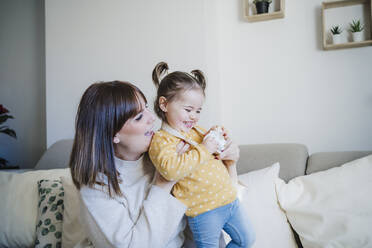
[
  {"x": 339, "y": 4},
  {"x": 348, "y": 45},
  {"x": 262, "y": 17},
  {"x": 346, "y": 3}
]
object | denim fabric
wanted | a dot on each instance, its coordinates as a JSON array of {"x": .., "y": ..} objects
[{"x": 207, "y": 227}]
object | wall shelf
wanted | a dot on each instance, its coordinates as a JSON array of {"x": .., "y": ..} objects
[
  {"x": 345, "y": 3},
  {"x": 252, "y": 17}
]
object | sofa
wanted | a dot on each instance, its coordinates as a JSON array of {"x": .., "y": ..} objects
[{"x": 280, "y": 186}]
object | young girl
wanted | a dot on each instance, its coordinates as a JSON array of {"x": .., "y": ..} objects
[{"x": 203, "y": 181}]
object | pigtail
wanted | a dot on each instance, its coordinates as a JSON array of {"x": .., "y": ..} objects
[
  {"x": 199, "y": 76},
  {"x": 158, "y": 72}
]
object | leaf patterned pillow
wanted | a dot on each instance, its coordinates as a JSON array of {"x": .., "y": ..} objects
[{"x": 50, "y": 214}]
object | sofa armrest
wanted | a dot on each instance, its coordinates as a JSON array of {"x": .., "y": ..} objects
[{"x": 56, "y": 156}]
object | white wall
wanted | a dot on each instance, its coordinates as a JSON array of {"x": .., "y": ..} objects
[
  {"x": 284, "y": 88},
  {"x": 122, "y": 40},
  {"x": 268, "y": 81},
  {"x": 22, "y": 82}
]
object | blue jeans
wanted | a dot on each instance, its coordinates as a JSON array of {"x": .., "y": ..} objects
[{"x": 206, "y": 227}]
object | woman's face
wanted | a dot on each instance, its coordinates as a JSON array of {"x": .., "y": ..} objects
[{"x": 135, "y": 135}]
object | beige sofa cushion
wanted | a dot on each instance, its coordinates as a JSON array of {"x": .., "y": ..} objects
[
  {"x": 19, "y": 205},
  {"x": 257, "y": 195},
  {"x": 331, "y": 208}
]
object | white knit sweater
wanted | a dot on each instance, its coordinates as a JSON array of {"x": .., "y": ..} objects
[{"x": 145, "y": 216}]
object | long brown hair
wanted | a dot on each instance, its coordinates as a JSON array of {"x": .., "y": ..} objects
[
  {"x": 102, "y": 112},
  {"x": 172, "y": 84}
]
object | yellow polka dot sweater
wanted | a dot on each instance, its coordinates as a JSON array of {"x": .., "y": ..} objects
[{"x": 203, "y": 181}]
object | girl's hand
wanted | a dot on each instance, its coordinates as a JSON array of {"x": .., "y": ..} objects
[
  {"x": 231, "y": 153},
  {"x": 212, "y": 128},
  {"x": 161, "y": 182},
  {"x": 182, "y": 147}
]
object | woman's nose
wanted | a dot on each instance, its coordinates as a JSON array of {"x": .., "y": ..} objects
[{"x": 151, "y": 117}]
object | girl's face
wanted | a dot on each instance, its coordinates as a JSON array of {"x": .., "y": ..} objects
[
  {"x": 184, "y": 112},
  {"x": 135, "y": 135}
]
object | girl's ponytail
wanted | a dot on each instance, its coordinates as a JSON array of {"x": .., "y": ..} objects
[
  {"x": 199, "y": 76},
  {"x": 158, "y": 72}
]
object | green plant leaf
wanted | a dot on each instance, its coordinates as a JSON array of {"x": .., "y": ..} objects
[
  {"x": 8, "y": 131},
  {"x": 336, "y": 29},
  {"x": 356, "y": 26},
  {"x": 256, "y": 1},
  {"x": 5, "y": 117}
]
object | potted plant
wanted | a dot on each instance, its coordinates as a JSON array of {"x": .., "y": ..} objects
[
  {"x": 336, "y": 34},
  {"x": 4, "y": 116},
  {"x": 356, "y": 28},
  {"x": 262, "y": 6}
]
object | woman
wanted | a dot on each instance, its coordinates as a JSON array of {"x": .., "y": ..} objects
[{"x": 125, "y": 203}]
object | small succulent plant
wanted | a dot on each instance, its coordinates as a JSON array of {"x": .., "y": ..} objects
[
  {"x": 256, "y": 1},
  {"x": 336, "y": 29},
  {"x": 356, "y": 26}
]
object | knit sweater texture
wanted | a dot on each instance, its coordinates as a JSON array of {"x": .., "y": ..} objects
[{"x": 145, "y": 216}]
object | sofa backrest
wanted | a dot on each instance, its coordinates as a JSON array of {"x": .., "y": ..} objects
[
  {"x": 325, "y": 160},
  {"x": 292, "y": 158}
]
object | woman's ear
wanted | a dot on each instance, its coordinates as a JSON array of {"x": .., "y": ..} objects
[{"x": 163, "y": 103}]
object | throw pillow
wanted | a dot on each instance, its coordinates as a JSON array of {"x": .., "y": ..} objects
[
  {"x": 331, "y": 208},
  {"x": 50, "y": 216},
  {"x": 73, "y": 232},
  {"x": 19, "y": 205},
  {"x": 257, "y": 195}
]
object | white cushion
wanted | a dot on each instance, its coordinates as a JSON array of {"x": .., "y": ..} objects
[
  {"x": 19, "y": 205},
  {"x": 332, "y": 208},
  {"x": 256, "y": 192},
  {"x": 72, "y": 232}
]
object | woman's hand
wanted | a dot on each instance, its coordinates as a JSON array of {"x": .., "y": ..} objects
[
  {"x": 231, "y": 153},
  {"x": 163, "y": 183},
  {"x": 211, "y": 144},
  {"x": 159, "y": 180}
]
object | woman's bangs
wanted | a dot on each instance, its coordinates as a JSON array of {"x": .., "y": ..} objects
[{"x": 131, "y": 103}]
